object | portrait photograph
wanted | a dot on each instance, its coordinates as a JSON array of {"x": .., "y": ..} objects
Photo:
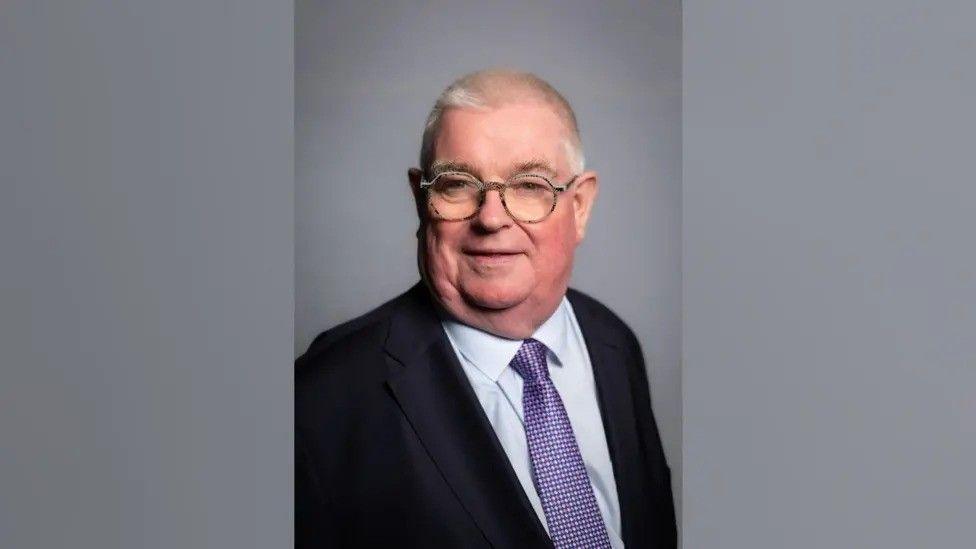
[{"x": 488, "y": 292}]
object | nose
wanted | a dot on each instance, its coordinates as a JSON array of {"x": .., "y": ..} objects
[{"x": 492, "y": 215}]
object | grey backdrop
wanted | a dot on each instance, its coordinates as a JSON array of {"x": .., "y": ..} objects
[
  {"x": 366, "y": 76},
  {"x": 146, "y": 218},
  {"x": 829, "y": 274}
]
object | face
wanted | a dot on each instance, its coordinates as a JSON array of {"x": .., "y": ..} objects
[{"x": 490, "y": 271}]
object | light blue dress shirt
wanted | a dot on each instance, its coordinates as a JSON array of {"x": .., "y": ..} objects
[{"x": 485, "y": 357}]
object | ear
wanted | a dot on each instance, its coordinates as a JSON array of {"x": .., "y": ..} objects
[
  {"x": 416, "y": 175},
  {"x": 584, "y": 192}
]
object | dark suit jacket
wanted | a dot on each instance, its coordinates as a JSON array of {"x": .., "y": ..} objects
[{"x": 393, "y": 449}]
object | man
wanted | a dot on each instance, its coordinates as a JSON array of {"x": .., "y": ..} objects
[{"x": 489, "y": 406}]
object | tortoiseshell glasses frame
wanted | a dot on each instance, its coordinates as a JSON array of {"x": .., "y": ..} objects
[{"x": 538, "y": 201}]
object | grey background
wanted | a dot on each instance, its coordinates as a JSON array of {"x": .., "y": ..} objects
[
  {"x": 146, "y": 280},
  {"x": 368, "y": 73},
  {"x": 829, "y": 274}
]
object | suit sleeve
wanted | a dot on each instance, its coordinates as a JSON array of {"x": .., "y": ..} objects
[
  {"x": 313, "y": 522},
  {"x": 653, "y": 450}
]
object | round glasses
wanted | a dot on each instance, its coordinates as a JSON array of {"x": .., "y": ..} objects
[{"x": 456, "y": 196}]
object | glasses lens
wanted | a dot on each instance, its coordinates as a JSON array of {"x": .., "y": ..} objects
[
  {"x": 454, "y": 195},
  {"x": 529, "y": 198}
]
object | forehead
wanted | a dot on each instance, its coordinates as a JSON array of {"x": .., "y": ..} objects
[{"x": 498, "y": 139}]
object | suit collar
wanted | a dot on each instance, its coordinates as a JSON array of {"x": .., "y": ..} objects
[
  {"x": 610, "y": 357},
  {"x": 428, "y": 384},
  {"x": 592, "y": 321}
]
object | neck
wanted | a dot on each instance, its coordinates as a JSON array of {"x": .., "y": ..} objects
[{"x": 516, "y": 322}]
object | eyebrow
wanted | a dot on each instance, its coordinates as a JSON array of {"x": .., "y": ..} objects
[
  {"x": 535, "y": 165},
  {"x": 442, "y": 166}
]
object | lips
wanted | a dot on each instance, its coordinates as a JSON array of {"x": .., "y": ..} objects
[
  {"x": 491, "y": 251},
  {"x": 491, "y": 258}
]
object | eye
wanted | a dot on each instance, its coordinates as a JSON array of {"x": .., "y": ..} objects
[
  {"x": 449, "y": 184},
  {"x": 530, "y": 187},
  {"x": 455, "y": 186}
]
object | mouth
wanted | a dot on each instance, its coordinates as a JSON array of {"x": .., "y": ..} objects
[{"x": 489, "y": 256}]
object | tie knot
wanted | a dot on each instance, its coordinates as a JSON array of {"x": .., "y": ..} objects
[{"x": 530, "y": 361}]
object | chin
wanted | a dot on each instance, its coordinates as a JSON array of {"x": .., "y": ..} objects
[{"x": 495, "y": 296}]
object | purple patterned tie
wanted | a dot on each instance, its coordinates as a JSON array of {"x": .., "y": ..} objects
[{"x": 557, "y": 466}]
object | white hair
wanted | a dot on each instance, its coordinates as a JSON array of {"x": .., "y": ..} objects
[{"x": 495, "y": 87}]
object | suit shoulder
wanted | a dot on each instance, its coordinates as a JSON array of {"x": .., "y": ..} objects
[
  {"x": 350, "y": 342},
  {"x": 372, "y": 319},
  {"x": 600, "y": 314}
]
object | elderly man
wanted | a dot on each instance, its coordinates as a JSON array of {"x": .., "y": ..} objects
[{"x": 490, "y": 405}]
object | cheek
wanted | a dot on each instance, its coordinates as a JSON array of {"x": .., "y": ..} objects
[
  {"x": 441, "y": 251},
  {"x": 555, "y": 249}
]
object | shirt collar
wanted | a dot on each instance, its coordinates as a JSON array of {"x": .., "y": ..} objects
[{"x": 491, "y": 354}]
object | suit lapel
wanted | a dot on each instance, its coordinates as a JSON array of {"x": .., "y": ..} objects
[
  {"x": 617, "y": 408},
  {"x": 438, "y": 401}
]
